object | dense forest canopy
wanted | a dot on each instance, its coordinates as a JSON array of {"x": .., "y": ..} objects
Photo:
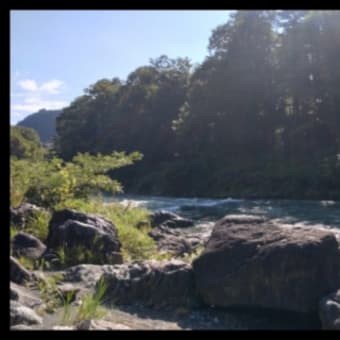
[{"x": 258, "y": 118}]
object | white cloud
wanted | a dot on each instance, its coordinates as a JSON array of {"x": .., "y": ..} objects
[
  {"x": 34, "y": 97},
  {"x": 28, "y": 85},
  {"x": 51, "y": 87}
]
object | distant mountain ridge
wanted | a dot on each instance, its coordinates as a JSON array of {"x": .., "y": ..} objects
[{"x": 44, "y": 122}]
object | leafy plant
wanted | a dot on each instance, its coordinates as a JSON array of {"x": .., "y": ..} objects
[
  {"x": 37, "y": 225},
  {"x": 49, "y": 291},
  {"x": 50, "y": 182},
  {"x": 90, "y": 306}
]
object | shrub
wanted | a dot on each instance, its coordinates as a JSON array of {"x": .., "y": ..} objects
[
  {"x": 50, "y": 182},
  {"x": 37, "y": 225}
]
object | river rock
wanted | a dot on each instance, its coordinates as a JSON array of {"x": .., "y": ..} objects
[
  {"x": 86, "y": 275},
  {"x": 69, "y": 228},
  {"x": 244, "y": 219},
  {"x": 267, "y": 266},
  {"x": 170, "y": 220},
  {"x": 20, "y": 314},
  {"x": 22, "y": 214},
  {"x": 63, "y": 328},
  {"x": 24, "y": 296},
  {"x": 18, "y": 273},
  {"x": 177, "y": 242},
  {"x": 27, "y": 245},
  {"x": 23, "y": 327},
  {"x": 151, "y": 283},
  {"x": 100, "y": 325},
  {"x": 329, "y": 311}
]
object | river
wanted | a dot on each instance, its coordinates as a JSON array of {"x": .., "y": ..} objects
[{"x": 290, "y": 213}]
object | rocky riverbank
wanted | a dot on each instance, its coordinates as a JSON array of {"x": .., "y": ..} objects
[{"x": 249, "y": 273}]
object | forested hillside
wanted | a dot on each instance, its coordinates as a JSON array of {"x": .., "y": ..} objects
[
  {"x": 260, "y": 117},
  {"x": 43, "y": 122}
]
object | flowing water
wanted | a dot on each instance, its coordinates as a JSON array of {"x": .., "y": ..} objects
[{"x": 290, "y": 213}]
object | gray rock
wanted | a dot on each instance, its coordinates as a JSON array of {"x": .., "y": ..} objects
[
  {"x": 244, "y": 219},
  {"x": 24, "y": 296},
  {"x": 157, "y": 284},
  {"x": 63, "y": 328},
  {"x": 13, "y": 294},
  {"x": 18, "y": 273},
  {"x": 20, "y": 314},
  {"x": 21, "y": 215},
  {"x": 101, "y": 325},
  {"x": 329, "y": 311},
  {"x": 22, "y": 327},
  {"x": 70, "y": 228},
  {"x": 176, "y": 242},
  {"x": 86, "y": 275},
  {"x": 266, "y": 266},
  {"x": 170, "y": 220},
  {"x": 68, "y": 291},
  {"x": 27, "y": 245}
]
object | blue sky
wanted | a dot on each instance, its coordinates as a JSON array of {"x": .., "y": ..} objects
[{"x": 55, "y": 55}]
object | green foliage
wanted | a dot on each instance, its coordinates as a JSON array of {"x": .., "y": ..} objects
[
  {"x": 90, "y": 307},
  {"x": 71, "y": 256},
  {"x": 13, "y": 231},
  {"x": 25, "y": 143},
  {"x": 50, "y": 182},
  {"x": 49, "y": 292},
  {"x": 27, "y": 262},
  {"x": 37, "y": 225},
  {"x": 189, "y": 257},
  {"x": 136, "y": 244},
  {"x": 267, "y": 93},
  {"x": 67, "y": 307}
]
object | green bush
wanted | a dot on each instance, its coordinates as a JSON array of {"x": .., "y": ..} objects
[
  {"x": 25, "y": 143},
  {"x": 37, "y": 225},
  {"x": 50, "y": 182}
]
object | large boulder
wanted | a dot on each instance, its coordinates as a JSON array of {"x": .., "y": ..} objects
[
  {"x": 70, "y": 229},
  {"x": 170, "y": 220},
  {"x": 329, "y": 311},
  {"x": 27, "y": 245},
  {"x": 20, "y": 314},
  {"x": 267, "y": 266},
  {"x": 151, "y": 283},
  {"x": 21, "y": 215},
  {"x": 18, "y": 273}
]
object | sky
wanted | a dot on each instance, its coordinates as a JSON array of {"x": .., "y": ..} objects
[{"x": 55, "y": 55}]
